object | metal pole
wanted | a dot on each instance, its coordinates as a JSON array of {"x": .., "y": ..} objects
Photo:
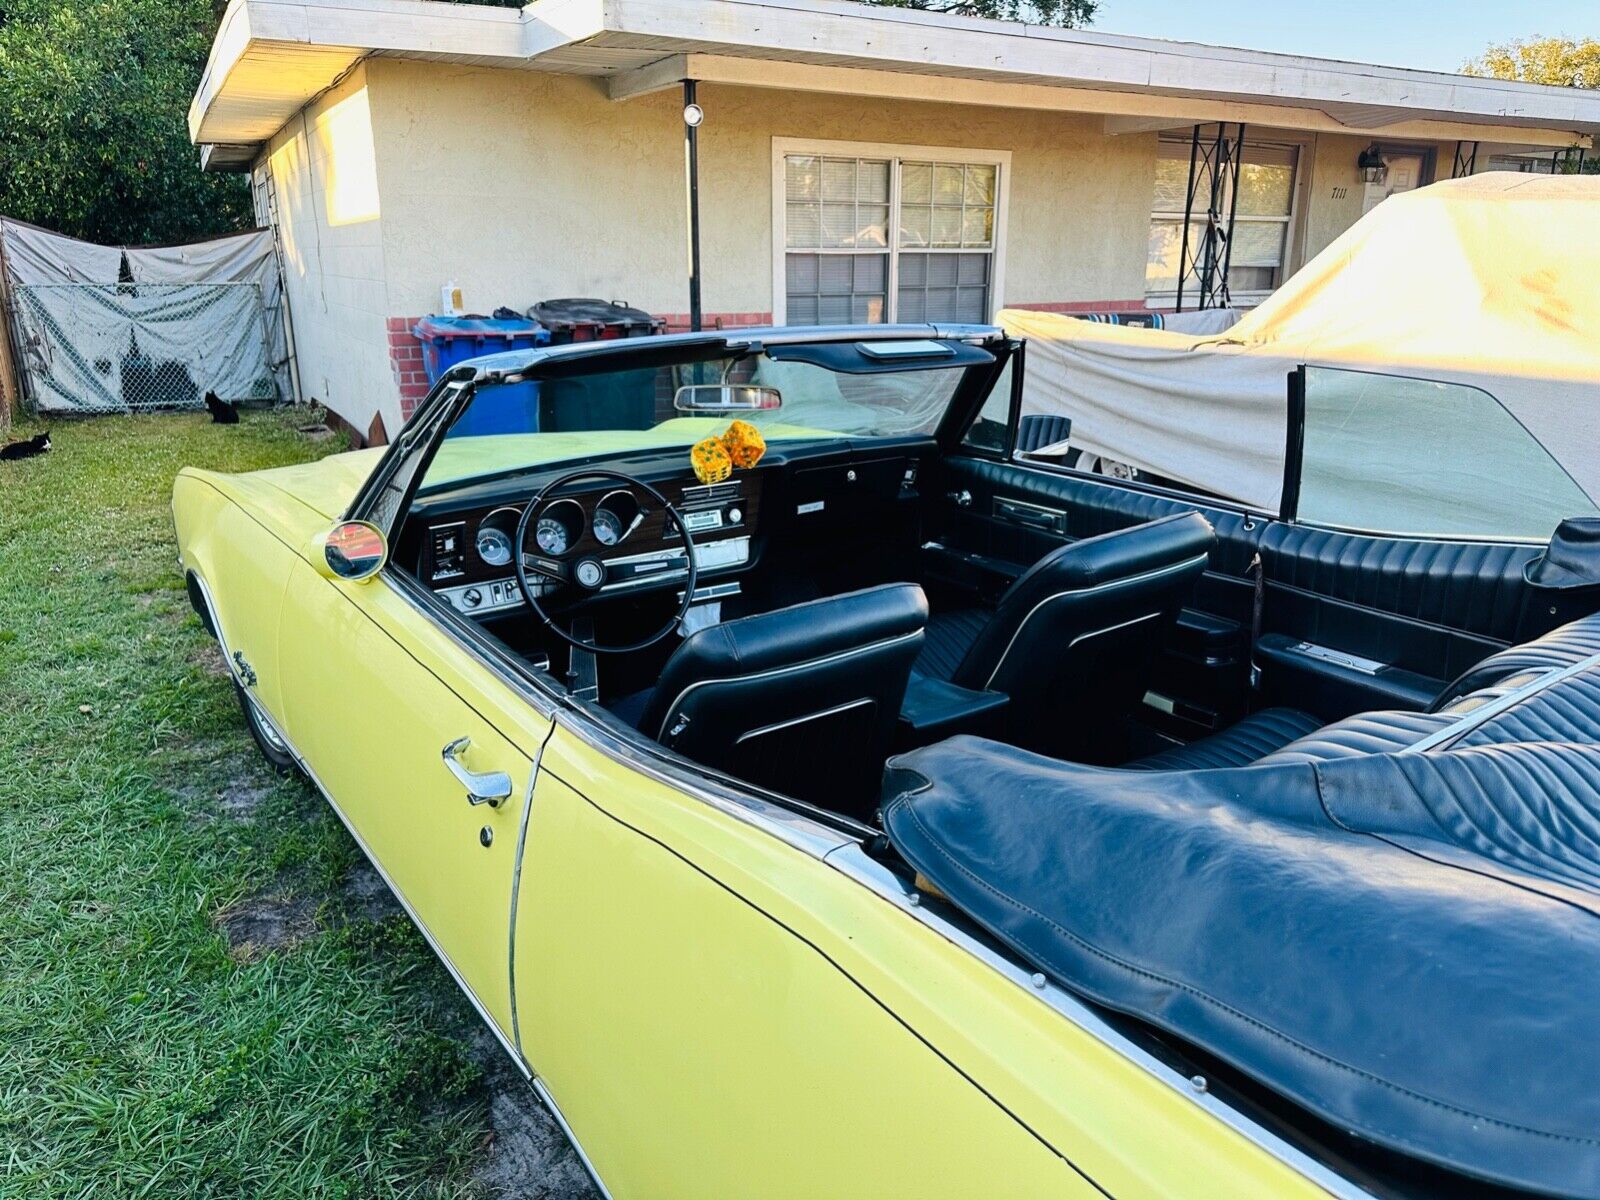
[
  {"x": 1188, "y": 214},
  {"x": 691, "y": 150},
  {"x": 1235, "y": 166}
]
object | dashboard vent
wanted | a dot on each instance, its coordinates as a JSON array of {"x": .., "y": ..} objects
[{"x": 712, "y": 495}]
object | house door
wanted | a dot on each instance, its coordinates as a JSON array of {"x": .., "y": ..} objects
[{"x": 1407, "y": 172}]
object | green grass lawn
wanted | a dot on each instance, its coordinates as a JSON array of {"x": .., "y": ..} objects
[{"x": 199, "y": 993}]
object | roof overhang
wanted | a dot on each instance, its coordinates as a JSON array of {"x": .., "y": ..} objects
[{"x": 271, "y": 57}]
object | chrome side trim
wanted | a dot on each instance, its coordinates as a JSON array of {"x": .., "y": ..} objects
[
  {"x": 852, "y": 862},
  {"x": 549, "y": 1102},
  {"x": 1484, "y": 713},
  {"x": 516, "y": 883},
  {"x": 427, "y": 935},
  {"x": 816, "y": 716},
  {"x": 780, "y": 672},
  {"x": 1158, "y": 573}
]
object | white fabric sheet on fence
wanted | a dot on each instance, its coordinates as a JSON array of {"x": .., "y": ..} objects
[
  {"x": 241, "y": 258},
  {"x": 126, "y": 347},
  {"x": 37, "y": 256},
  {"x": 234, "y": 307}
]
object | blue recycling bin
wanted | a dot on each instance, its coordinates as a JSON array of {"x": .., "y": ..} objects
[{"x": 503, "y": 408}]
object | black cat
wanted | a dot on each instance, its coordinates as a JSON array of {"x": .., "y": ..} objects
[
  {"x": 39, "y": 443},
  {"x": 222, "y": 413}
]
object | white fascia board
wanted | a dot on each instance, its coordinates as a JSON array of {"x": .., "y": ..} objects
[{"x": 906, "y": 39}]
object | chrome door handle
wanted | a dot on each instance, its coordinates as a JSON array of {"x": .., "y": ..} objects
[
  {"x": 491, "y": 788},
  {"x": 961, "y": 499}
]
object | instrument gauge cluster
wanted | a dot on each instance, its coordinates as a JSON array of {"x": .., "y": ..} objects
[
  {"x": 617, "y": 516},
  {"x": 558, "y": 528}
]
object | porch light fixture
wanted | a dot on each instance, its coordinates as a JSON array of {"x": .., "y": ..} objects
[
  {"x": 693, "y": 116},
  {"x": 1371, "y": 165}
]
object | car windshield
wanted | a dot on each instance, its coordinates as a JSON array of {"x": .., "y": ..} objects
[{"x": 894, "y": 389}]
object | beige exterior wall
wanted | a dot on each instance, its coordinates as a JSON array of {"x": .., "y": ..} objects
[
  {"x": 323, "y": 175},
  {"x": 521, "y": 185}
]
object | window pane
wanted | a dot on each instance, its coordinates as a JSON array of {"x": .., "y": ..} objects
[
  {"x": 872, "y": 225},
  {"x": 980, "y": 185},
  {"x": 942, "y": 270},
  {"x": 944, "y": 287},
  {"x": 1426, "y": 459},
  {"x": 916, "y": 226},
  {"x": 872, "y": 182},
  {"x": 1172, "y": 184},
  {"x": 916, "y": 183},
  {"x": 988, "y": 432},
  {"x": 1166, "y": 245},
  {"x": 1242, "y": 280},
  {"x": 838, "y": 226},
  {"x": 1258, "y": 243},
  {"x": 1265, "y": 191},
  {"x": 977, "y": 227},
  {"x": 871, "y": 272},
  {"x": 804, "y": 223},
  {"x": 949, "y": 184},
  {"x": 839, "y": 179},
  {"x": 804, "y": 174},
  {"x": 947, "y": 227},
  {"x": 973, "y": 269},
  {"x": 802, "y": 272}
]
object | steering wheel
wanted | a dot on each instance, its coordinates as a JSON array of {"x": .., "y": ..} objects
[{"x": 587, "y": 575}]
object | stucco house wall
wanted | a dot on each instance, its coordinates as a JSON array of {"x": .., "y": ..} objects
[
  {"x": 524, "y": 185},
  {"x": 322, "y": 176}
]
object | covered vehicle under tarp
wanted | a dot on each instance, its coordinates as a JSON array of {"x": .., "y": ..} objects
[{"x": 1488, "y": 281}]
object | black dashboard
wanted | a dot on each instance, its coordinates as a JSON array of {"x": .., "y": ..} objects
[{"x": 828, "y": 495}]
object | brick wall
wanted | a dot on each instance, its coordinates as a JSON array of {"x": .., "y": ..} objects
[{"x": 405, "y": 360}]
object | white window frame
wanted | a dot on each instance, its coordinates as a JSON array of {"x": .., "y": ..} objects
[
  {"x": 1294, "y": 225},
  {"x": 783, "y": 148}
]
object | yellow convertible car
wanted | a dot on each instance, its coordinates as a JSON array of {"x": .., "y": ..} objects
[{"x": 822, "y": 791}]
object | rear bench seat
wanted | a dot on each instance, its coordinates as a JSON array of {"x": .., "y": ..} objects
[
  {"x": 1393, "y": 921},
  {"x": 1289, "y": 735}
]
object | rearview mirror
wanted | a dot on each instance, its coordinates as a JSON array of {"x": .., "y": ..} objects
[
  {"x": 725, "y": 399},
  {"x": 351, "y": 550}
]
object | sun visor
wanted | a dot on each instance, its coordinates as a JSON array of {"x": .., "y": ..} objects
[{"x": 872, "y": 358}]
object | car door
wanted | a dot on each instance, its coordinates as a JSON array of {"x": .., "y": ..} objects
[{"x": 378, "y": 697}]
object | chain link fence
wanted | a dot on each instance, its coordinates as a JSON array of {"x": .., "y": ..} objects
[{"x": 132, "y": 347}]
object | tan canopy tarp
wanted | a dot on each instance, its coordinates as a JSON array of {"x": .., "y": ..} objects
[{"x": 1492, "y": 281}]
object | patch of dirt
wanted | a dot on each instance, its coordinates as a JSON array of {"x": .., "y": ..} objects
[
  {"x": 258, "y": 926},
  {"x": 210, "y": 657},
  {"x": 527, "y": 1157},
  {"x": 367, "y": 897},
  {"x": 316, "y": 432}
]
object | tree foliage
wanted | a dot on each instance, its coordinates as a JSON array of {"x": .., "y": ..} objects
[
  {"x": 1044, "y": 12},
  {"x": 1557, "y": 61},
  {"x": 93, "y": 103}
]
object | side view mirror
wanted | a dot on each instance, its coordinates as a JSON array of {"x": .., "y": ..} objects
[
  {"x": 351, "y": 550},
  {"x": 725, "y": 399}
]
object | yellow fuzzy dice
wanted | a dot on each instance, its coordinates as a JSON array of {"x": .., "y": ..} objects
[
  {"x": 710, "y": 461},
  {"x": 744, "y": 444}
]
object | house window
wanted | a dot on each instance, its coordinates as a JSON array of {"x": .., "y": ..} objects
[
  {"x": 882, "y": 234},
  {"x": 1262, "y": 223}
]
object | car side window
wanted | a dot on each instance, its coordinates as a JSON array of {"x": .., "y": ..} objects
[
  {"x": 987, "y": 434},
  {"x": 1423, "y": 458}
]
